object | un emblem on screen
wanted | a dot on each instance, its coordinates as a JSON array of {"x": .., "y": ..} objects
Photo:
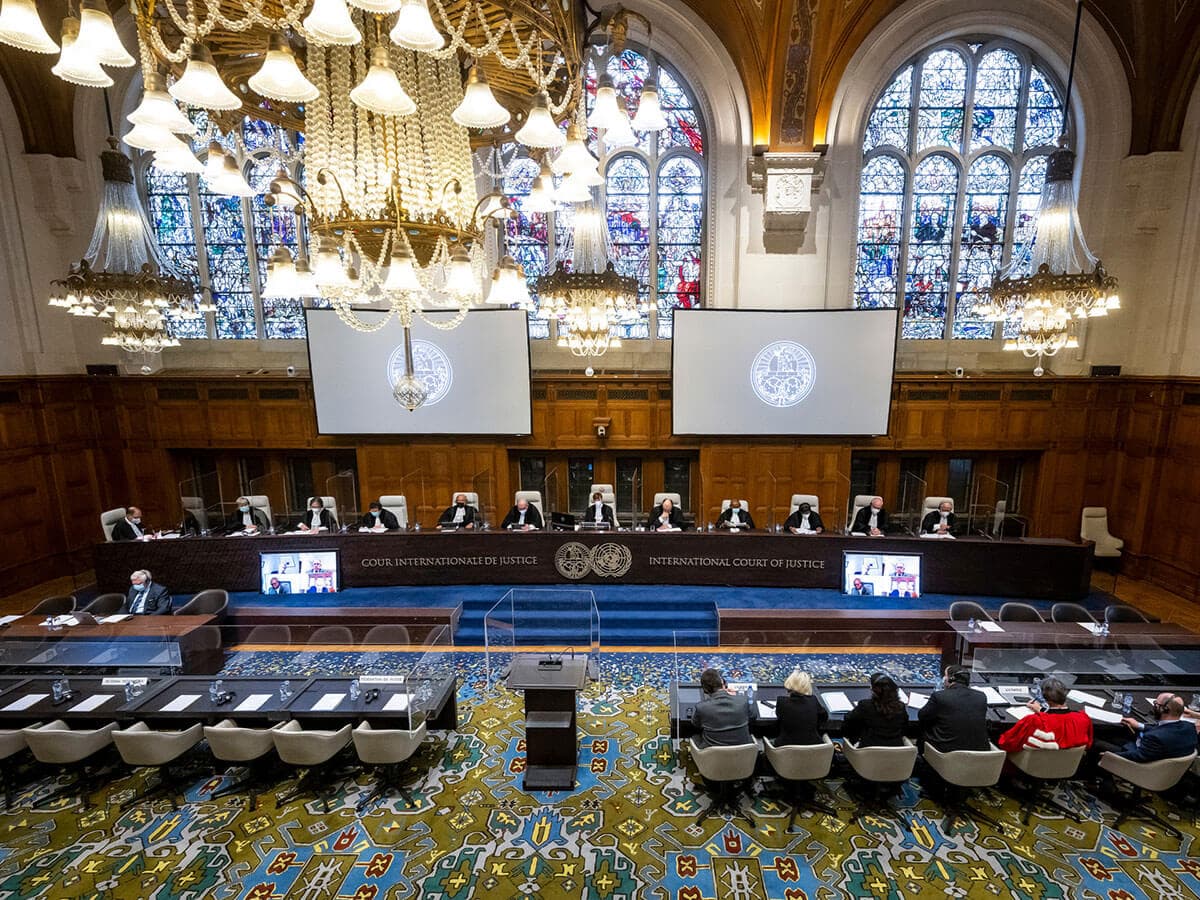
[
  {"x": 783, "y": 374},
  {"x": 430, "y": 365}
]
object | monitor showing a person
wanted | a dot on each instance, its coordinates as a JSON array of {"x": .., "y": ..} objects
[
  {"x": 735, "y": 517},
  {"x": 665, "y": 517},
  {"x": 304, "y": 572},
  {"x": 599, "y": 513},
  {"x": 872, "y": 519},
  {"x": 129, "y": 528},
  {"x": 318, "y": 518},
  {"x": 881, "y": 574},
  {"x": 379, "y": 519},
  {"x": 805, "y": 520},
  {"x": 459, "y": 515},
  {"x": 522, "y": 517},
  {"x": 146, "y": 597},
  {"x": 940, "y": 520},
  {"x": 246, "y": 519}
]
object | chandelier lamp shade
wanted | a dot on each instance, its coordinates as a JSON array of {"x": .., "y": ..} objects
[
  {"x": 377, "y": 7},
  {"x": 479, "y": 107},
  {"x": 77, "y": 63},
  {"x": 414, "y": 28},
  {"x": 201, "y": 83},
  {"x": 280, "y": 77},
  {"x": 330, "y": 23},
  {"x": 159, "y": 109},
  {"x": 381, "y": 92},
  {"x": 540, "y": 130},
  {"x": 97, "y": 33},
  {"x": 649, "y": 116},
  {"x": 21, "y": 27}
]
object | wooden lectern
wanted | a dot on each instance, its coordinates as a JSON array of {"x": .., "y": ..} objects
[{"x": 551, "y": 740}]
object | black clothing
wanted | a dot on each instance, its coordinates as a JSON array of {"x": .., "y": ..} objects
[
  {"x": 866, "y": 726},
  {"x": 327, "y": 520},
  {"x": 123, "y": 531},
  {"x": 606, "y": 514},
  {"x": 676, "y": 518},
  {"x": 234, "y": 522},
  {"x": 796, "y": 520},
  {"x": 955, "y": 719},
  {"x": 156, "y": 602},
  {"x": 447, "y": 518},
  {"x": 532, "y": 517},
  {"x": 726, "y": 517},
  {"x": 386, "y": 518},
  {"x": 862, "y": 521},
  {"x": 933, "y": 519},
  {"x": 801, "y": 717}
]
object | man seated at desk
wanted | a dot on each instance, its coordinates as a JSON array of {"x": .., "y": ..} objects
[
  {"x": 522, "y": 517},
  {"x": 246, "y": 518},
  {"x": 130, "y": 527},
  {"x": 872, "y": 519},
  {"x": 735, "y": 518},
  {"x": 278, "y": 587},
  {"x": 145, "y": 597},
  {"x": 599, "y": 513},
  {"x": 379, "y": 519},
  {"x": 955, "y": 718},
  {"x": 460, "y": 515},
  {"x": 940, "y": 520},
  {"x": 665, "y": 517},
  {"x": 318, "y": 518},
  {"x": 805, "y": 520},
  {"x": 722, "y": 717},
  {"x": 1167, "y": 737},
  {"x": 862, "y": 588}
]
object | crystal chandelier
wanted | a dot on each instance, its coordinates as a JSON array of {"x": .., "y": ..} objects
[
  {"x": 589, "y": 297},
  {"x": 1067, "y": 282},
  {"x": 123, "y": 278}
]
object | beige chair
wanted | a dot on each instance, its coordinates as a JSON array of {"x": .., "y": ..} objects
[
  {"x": 195, "y": 506},
  {"x": 106, "y": 605},
  {"x": 727, "y": 773},
  {"x": 314, "y": 752},
  {"x": 397, "y": 505},
  {"x": 142, "y": 747},
  {"x": 1120, "y": 612},
  {"x": 797, "y": 767},
  {"x": 331, "y": 505},
  {"x": 965, "y": 610},
  {"x": 387, "y": 751},
  {"x": 811, "y": 499},
  {"x": 1093, "y": 526},
  {"x": 860, "y": 501},
  {"x": 931, "y": 504},
  {"x": 725, "y": 504},
  {"x": 1046, "y": 768},
  {"x": 535, "y": 500},
  {"x": 1013, "y": 611},
  {"x": 1156, "y": 777},
  {"x": 963, "y": 769},
  {"x": 12, "y": 743},
  {"x": 251, "y": 748},
  {"x": 108, "y": 519},
  {"x": 608, "y": 496},
  {"x": 331, "y": 634},
  {"x": 270, "y": 634},
  {"x": 57, "y": 745},
  {"x": 668, "y": 495},
  {"x": 54, "y": 606},
  {"x": 263, "y": 503},
  {"x": 472, "y": 499},
  {"x": 387, "y": 635},
  {"x": 211, "y": 602},
  {"x": 883, "y": 771},
  {"x": 1070, "y": 612}
]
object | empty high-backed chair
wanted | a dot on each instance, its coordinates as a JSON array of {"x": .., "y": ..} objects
[
  {"x": 54, "y": 606},
  {"x": 1070, "y": 612},
  {"x": 1046, "y": 768},
  {"x": 312, "y": 751},
  {"x": 56, "y": 744},
  {"x": 965, "y": 610},
  {"x": 1019, "y": 612},
  {"x": 1154, "y": 777},
  {"x": 387, "y": 751},
  {"x": 270, "y": 634},
  {"x": 106, "y": 605},
  {"x": 108, "y": 519},
  {"x": 798, "y": 766},
  {"x": 327, "y": 635},
  {"x": 142, "y": 747},
  {"x": 1119, "y": 612},
  {"x": 883, "y": 770},
  {"x": 962, "y": 770},
  {"x": 1093, "y": 526},
  {"x": 534, "y": 498},
  {"x": 252, "y": 748},
  {"x": 727, "y": 771},
  {"x": 387, "y": 635},
  {"x": 212, "y": 602},
  {"x": 195, "y": 506},
  {"x": 397, "y": 505}
]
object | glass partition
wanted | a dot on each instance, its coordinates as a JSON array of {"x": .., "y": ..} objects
[
  {"x": 562, "y": 622},
  {"x": 200, "y": 504},
  {"x": 845, "y": 512},
  {"x": 269, "y": 494},
  {"x": 988, "y": 507},
  {"x": 554, "y": 495},
  {"x": 913, "y": 491},
  {"x": 411, "y": 486},
  {"x": 433, "y": 673},
  {"x": 483, "y": 485},
  {"x": 343, "y": 488},
  {"x": 774, "y": 521}
]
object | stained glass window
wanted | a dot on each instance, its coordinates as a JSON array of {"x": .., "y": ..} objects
[
  {"x": 169, "y": 202},
  {"x": 653, "y": 196},
  {"x": 966, "y": 193}
]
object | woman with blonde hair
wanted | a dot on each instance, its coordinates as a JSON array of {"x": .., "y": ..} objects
[{"x": 801, "y": 715}]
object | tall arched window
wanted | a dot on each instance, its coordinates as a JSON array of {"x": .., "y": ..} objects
[
  {"x": 225, "y": 242},
  {"x": 654, "y": 197},
  {"x": 954, "y": 158}
]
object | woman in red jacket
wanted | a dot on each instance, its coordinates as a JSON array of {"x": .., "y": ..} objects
[{"x": 1050, "y": 727}]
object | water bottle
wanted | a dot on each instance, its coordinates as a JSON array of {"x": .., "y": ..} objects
[
  {"x": 1127, "y": 704},
  {"x": 285, "y": 689},
  {"x": 417, "y": 526},
  {"x": 1037, "y": 693},
  {"x": 66, "y": 687},
  {"x": 354, "y": 690},
  {"x": 271, "y": 528},
  {"x": 1104, "y": 629},
  {"x": 56, "y": 690},
  {"x": 212, "y": 692},
  {"x": 1195, "y": 704},
  {"x": 972, "y": 625},
  {"x": 128, "y": 691}
]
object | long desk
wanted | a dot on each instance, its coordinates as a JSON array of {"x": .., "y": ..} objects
[
  {"x": 1035, "y": 568},
  {"x": 159, "y": 644}
]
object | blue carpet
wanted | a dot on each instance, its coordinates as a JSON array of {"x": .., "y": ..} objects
[{"x": 630, "y": 615}]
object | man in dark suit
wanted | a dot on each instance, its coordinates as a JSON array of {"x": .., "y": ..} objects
[
  {"x": 378, "y": 517},
  {"x": 722, "y": 717},
  {"x": 955, "y": 718},
  {"x": 940, "y": 520},
  {"x": 805, "y": 519},
  {"x": 872, "y": 519},
  {"x": 522, "y": 517},
  {"x": 318, "y": 518},
  {"x": 1168, "y": 737},
  {"x": 861, "y": 588},
  {"x": 145, "y": 598},
  {"x": 665, "y": 517},
  {"x": 599, "y": 513},
  {"x": 460, "y": 515},
  {"x": 735, "y": 517},
  {"x": 246, "y": 518},
  {"x": 130, "y": 527}
]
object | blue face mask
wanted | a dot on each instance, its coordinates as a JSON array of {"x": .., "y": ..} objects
[
  {"x": 375, "y": 513},
  {"x": 244, "y": 509}
]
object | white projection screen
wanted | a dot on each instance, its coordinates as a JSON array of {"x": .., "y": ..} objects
[
  {"x": 477, "y": 375},
  {"x": 795, "y": 372}
]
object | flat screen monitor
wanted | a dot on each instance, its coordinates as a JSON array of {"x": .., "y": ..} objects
[
  {"x": 475, "y": 375},
  {"x": 793, "y": 372},
  {"x": 299, "y": 572},
  {"x": 881, "y": 574}
]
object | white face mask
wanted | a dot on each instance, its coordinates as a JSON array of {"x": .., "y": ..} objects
[{"x": 315, "y": 509}]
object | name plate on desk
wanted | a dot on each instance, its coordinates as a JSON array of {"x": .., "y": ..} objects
[
  {"x": 550, "y": 664},
  {"x": 121, "y": 682},
  {"x": 381, "y": 679}
]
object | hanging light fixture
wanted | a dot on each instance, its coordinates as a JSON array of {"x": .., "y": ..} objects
[
  {"x": 158, "y": 109},
  {"x": 509, "y": 287},
  {"x": 201, "y": 84},
  {"x": 604, "y": 108},
  {"x": 280, "y": 77},
  {"x": 183, "y": 161},
  {"x": 1056, "y": 279},
  {"x": 378, "y": 7},
  {"x": 540, "y": 130},
  {"x": 541, "y": 196},
  {"x": 414, "y": 28},
  {"x": 380, "y": 91},
  {"x": 77, "y": 64},
  {"x": 576, "y": 160},
  {"x": 479, "y": 108},
  {"x": 649, "y": 115},
  {"x": 621, "y": 133},
  {"x": 153, "y": 137},
  {"x": 21, "y": 27},
  {"x": 281, "y": 276},
  {"x": 329, "y": 22},
  {"x": 96, "y": 31}
]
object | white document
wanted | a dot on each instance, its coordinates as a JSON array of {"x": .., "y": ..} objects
[
  {"x": 902, "y": 695},
  {"x": 743, "y": 687},
  {"x": 994, "y": 698},
  {"x": 396, "y": 703},
  {"x": 328, "y": 702},
  {"x": 253, "y": 702},
  {"x": 1102, "y": 715},
  {"x": 113, "y": 619},
  {"x": 1019, "y": 712},
  {"x": 764, "y": 711},
  {"x": 1089, "y": 626},
  {"x": 989, "y": 626},
  {"x": 8, "y": 620},
  {"x": 837, "y": 702},
  {"x": 1167, "y": 666},
  {"x": 1086, "y": 698},
  {"x": 917, "y": 701},
  {"x": 25, "y": 702},
  {"x": 1040, "y": 663},
  {"x": 180, "y": 703},
  {"x": 93, "y": 702}
]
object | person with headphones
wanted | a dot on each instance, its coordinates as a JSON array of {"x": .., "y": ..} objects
[{"x": 955, "y": 718}]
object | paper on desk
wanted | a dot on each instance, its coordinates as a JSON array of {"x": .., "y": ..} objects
[
  {"x": 8, "y": 620},
  {"x": 917, "y": 701},
  {"x": 25, "y": 702},
  {"x": 253, "y": 702},
  {"x": 396, "y": 703},
  {"x": 1040, "y": 662},
  {"x": 1019, "y": 712},
  {"x": 1167, "y": 666},
  {"x": 994, "y": 698},
  {"x": 764, "y": 711},
  {"x": 837, "y": 702},
  {"x": 180, "y": 703},
  {"x": 112, "y": 620},
  {"x": 93, "y": 702},
  {"x": 989, "y": 626},
  {"x": 1086, "y": 698},
  {"x": 1089, "y": 626},
  {"x": 1102, "y": 715},
  {"x": 328, "y": 702},
  {"x": 743, "y": 687}
]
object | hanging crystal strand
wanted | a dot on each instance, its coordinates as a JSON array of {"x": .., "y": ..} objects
[
  {"x": 408, "y": 147},
  {"x": 343, "y": 120},
  {"x": 316, "y": 145},
  {"x": 367, "y": 176}
]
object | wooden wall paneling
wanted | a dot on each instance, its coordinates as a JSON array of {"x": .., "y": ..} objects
[
  {"x": 30, "y": 545},
  {"x": 18, "y": 417}
]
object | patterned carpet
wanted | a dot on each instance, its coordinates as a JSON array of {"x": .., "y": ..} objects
[{"x": 626, "y": 832}]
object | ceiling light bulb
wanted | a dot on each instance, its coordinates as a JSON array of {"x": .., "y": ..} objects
[
  {"x": 330, "y": 23},
  {"x": 281, "y": 275},
  {"x": 401, "y": 275},
  {"x": 479, "y": 108},
  {"x": 539, "y": 129},
  {"x": 328, "y": 268},
  {"x": 604, "y": 109},
  {"x": 381, "y": 91},
  {"x": 287, "y": 193},
  {"x": 649, "y": 112},
  {"x": 509, "y": 287},
  {"x": 575, "y": 157},
  {"x": 157, "y": 108},
  {"x": 280, "y": 77},
  {"x": 96, "y": 31},
  {"x": 177, "y": 161},
  {"x": 620, "y": 134},
  {"x": 460, "y": 276},
  {"x": 306, "y": 282},
  {"x": 215, "y": 163},
  {"x": 77, "y": 64},
  {"x": 201, "y": 84},
  {"x": 153, "y": 137},
  {"x": 378, "y": 7},
  {"x": 21, "y": 27},
  {"x": 231, "y": 180},
  {"x": 541, "y": 197},
  {"x": 414, "y": 28},
  {"x": 572, "y": 190}
]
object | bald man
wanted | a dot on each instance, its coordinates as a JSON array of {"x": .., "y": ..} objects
[{"x": 460, "y": 515}]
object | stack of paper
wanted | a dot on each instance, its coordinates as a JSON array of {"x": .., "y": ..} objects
[
  {"x": 396, "y": 703},
  {"x": 253, "y": 702},
  {"x": 994, "y": 697},
  {"x": 1019, "y": 712},
  {"x": 837, "y": 702},
  {"x": 764, "y": 711},
  {"x": 1085, "y": 698},
  {"x": 1102, "y": 715},
  {"x": 328, "y": 702},
  {"x": 917, "y": 701},
  {"x": 989, "y": 626}
]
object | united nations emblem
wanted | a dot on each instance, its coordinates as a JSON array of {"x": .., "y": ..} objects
[
  {"x": 783, "y": 374},
  {"x": 573, "y": 560},
  {"x": 611, "y": 560},
  {"x": 431, "y": 367}
]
